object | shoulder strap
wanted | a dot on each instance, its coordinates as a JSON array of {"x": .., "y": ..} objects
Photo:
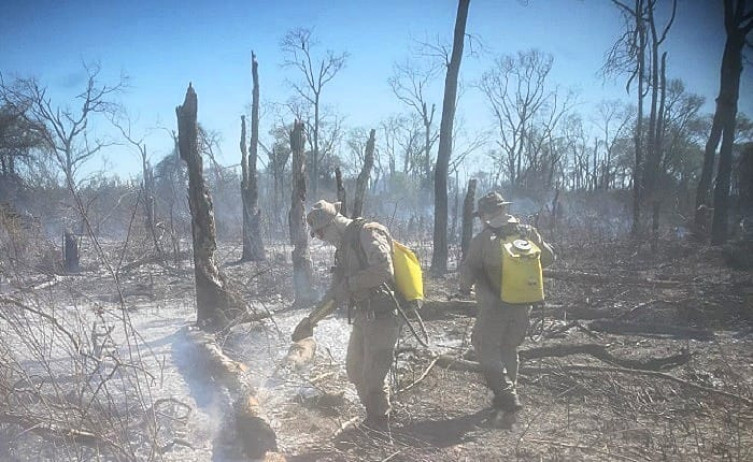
[{"x": 352, "y": 239}]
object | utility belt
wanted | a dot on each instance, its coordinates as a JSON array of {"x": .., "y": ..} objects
[{"x": 379, "y": 303}]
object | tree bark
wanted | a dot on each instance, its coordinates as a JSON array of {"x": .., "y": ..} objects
[
  {"x": 363, "y": 177},
  {"x": 216, "y": 303},
  {"x": 738, "y": 23},
  {"x": 341, "y": 194},
  {"x": 638, "y": 136},
  {"x": 253, "y": 245},
  {"x": 439, "y": 256},
  {"x": 470, "y": 200},
  {"x": 303, "y": 269},
  {"x": 70, "y": 253}
]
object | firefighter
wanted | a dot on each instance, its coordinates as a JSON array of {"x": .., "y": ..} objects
[
  {"x": 500, "y": 326},
  {"x": 363, "y": 278}
]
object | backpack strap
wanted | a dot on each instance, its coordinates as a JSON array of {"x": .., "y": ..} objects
[{"x": 352, "y": 240}]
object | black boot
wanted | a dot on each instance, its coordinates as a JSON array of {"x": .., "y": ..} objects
[{"x": 507, "y": 401}]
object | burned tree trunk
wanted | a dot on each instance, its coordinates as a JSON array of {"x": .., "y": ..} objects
[
  {"x": 216, "y": 304},
  {"x": 363, "y": 177},
  {"x": 440, "y": 254},
  {"x": 253, "y": 246},
  {"x": 341, "y": 195},
  {"x": 150, "y": 202},
  {"x": 738, "y": 23},
  {"x": 70, "y": 253},
  {"x": 303, "y": 270},
  {"x": 470, "y": 198}
]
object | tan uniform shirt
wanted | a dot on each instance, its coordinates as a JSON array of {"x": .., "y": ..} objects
[
  {"x": 483, "y": 264},
  {"x": 369, "y": 270}
]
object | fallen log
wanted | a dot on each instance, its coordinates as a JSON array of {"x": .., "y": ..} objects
[
  {"x": 440, "y": 309},
  {"x": 600, "y": 352},
  {"x": 452, "y": 363},
  {"x": 613, "y": 326},
  {"x": 255, "y": 435},
  {"x": 593, "y": 278},
  {"x": 597, "y": 351}
]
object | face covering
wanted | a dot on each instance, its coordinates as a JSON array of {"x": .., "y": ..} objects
[
  {"x": 498, "y": 220},
  {"x": 330, "y": 235}
]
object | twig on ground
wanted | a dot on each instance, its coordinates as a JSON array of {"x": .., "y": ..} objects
[
  {"x": 583, "y": 448},
  {"x": 422, "y": 377}
]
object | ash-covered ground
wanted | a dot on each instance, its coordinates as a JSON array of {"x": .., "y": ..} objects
[{"x": 81, "y": 367}]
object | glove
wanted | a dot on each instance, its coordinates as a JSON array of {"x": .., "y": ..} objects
[{"x": 303, "y": 330}]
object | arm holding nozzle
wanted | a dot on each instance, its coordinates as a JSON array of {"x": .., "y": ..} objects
[
  {"x": 321, "y": 311},
  {"x": 305, "y": 328}
]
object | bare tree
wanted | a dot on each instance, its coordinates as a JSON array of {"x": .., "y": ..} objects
[
  {"x": 278, "y": 155},
  {"x": 468, "y": 204},
  {"x": 614, "y": 118},
  {"x": 441, "y": 172},
  {"x": 409, "y": 83},
  {"x": 515, "y": 89},
  {"x": 628, "y": 55},
  {"x": 18, "y": 135},
  {"x": 298, "y": 48},
  {"x": 363, "y": 176},
  {"x": 253, "y": 246},
  {"x": 638, "y": 53},
  {"x": 303, "y": 269},
  {"x": 216, "y": 303},
  {"x": 738, "y": 23},
  {"x": 66, "y": 132},
  {"x": 147, "y": 182},
  {"x": 400, "y": 142},
  {"x": 341, "y": 193}
]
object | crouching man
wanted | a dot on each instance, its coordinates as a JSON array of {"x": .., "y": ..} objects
[{"x": 363, "y": 278}]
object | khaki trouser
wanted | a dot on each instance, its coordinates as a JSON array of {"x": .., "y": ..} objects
[
  {"x": 499, "y": 330},
  {"x": 370, "y": 355}
]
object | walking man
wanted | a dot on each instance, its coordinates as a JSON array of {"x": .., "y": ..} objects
[{"x": 500, "y": 325}]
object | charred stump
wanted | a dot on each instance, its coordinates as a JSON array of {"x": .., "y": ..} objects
[
  {"x": 470, "y": 199},
  {"x": 216, "y": 304},
  {"x": 71, "y": 259},
  {"x": 253, "y": 246},
  {"x": 363, "y": 177},
  {"x": 303, "y": 269}
]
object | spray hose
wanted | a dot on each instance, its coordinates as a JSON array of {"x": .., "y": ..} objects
[{"x": 424, "y": 342}]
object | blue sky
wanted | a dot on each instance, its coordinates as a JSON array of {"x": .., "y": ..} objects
[{"x": 162, "y": 45}]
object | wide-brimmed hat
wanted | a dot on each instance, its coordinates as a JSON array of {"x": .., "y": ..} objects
[
  {"x": 490, "y": 204},
  {"x": 322, "y": 213}
]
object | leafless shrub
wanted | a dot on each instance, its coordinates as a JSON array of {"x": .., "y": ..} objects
[{"x": 76, "y": 378}]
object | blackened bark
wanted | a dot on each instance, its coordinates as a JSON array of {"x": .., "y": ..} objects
[
  {"x": 303, "y": 269},
  {"x": 638, "y": 136},
  {"x": 738, "y": 23},
  {"x": 470, "y": 200},
  {"x": 216, "y": 303},
  {"x": 70, "y": 253},
  {"x": 253, "y": 244},
  {"x": 363, "y": 176},
  {"x": 745, "y": 181},
  {"x": 439, "y": 256},
  {"x": 341, "y": 194}
]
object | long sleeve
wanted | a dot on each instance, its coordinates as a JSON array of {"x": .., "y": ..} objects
[
  {"x": 471, "y": 266},
  {"x": 547, "y": 254},
  {"x": 377, "y": 247}
]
